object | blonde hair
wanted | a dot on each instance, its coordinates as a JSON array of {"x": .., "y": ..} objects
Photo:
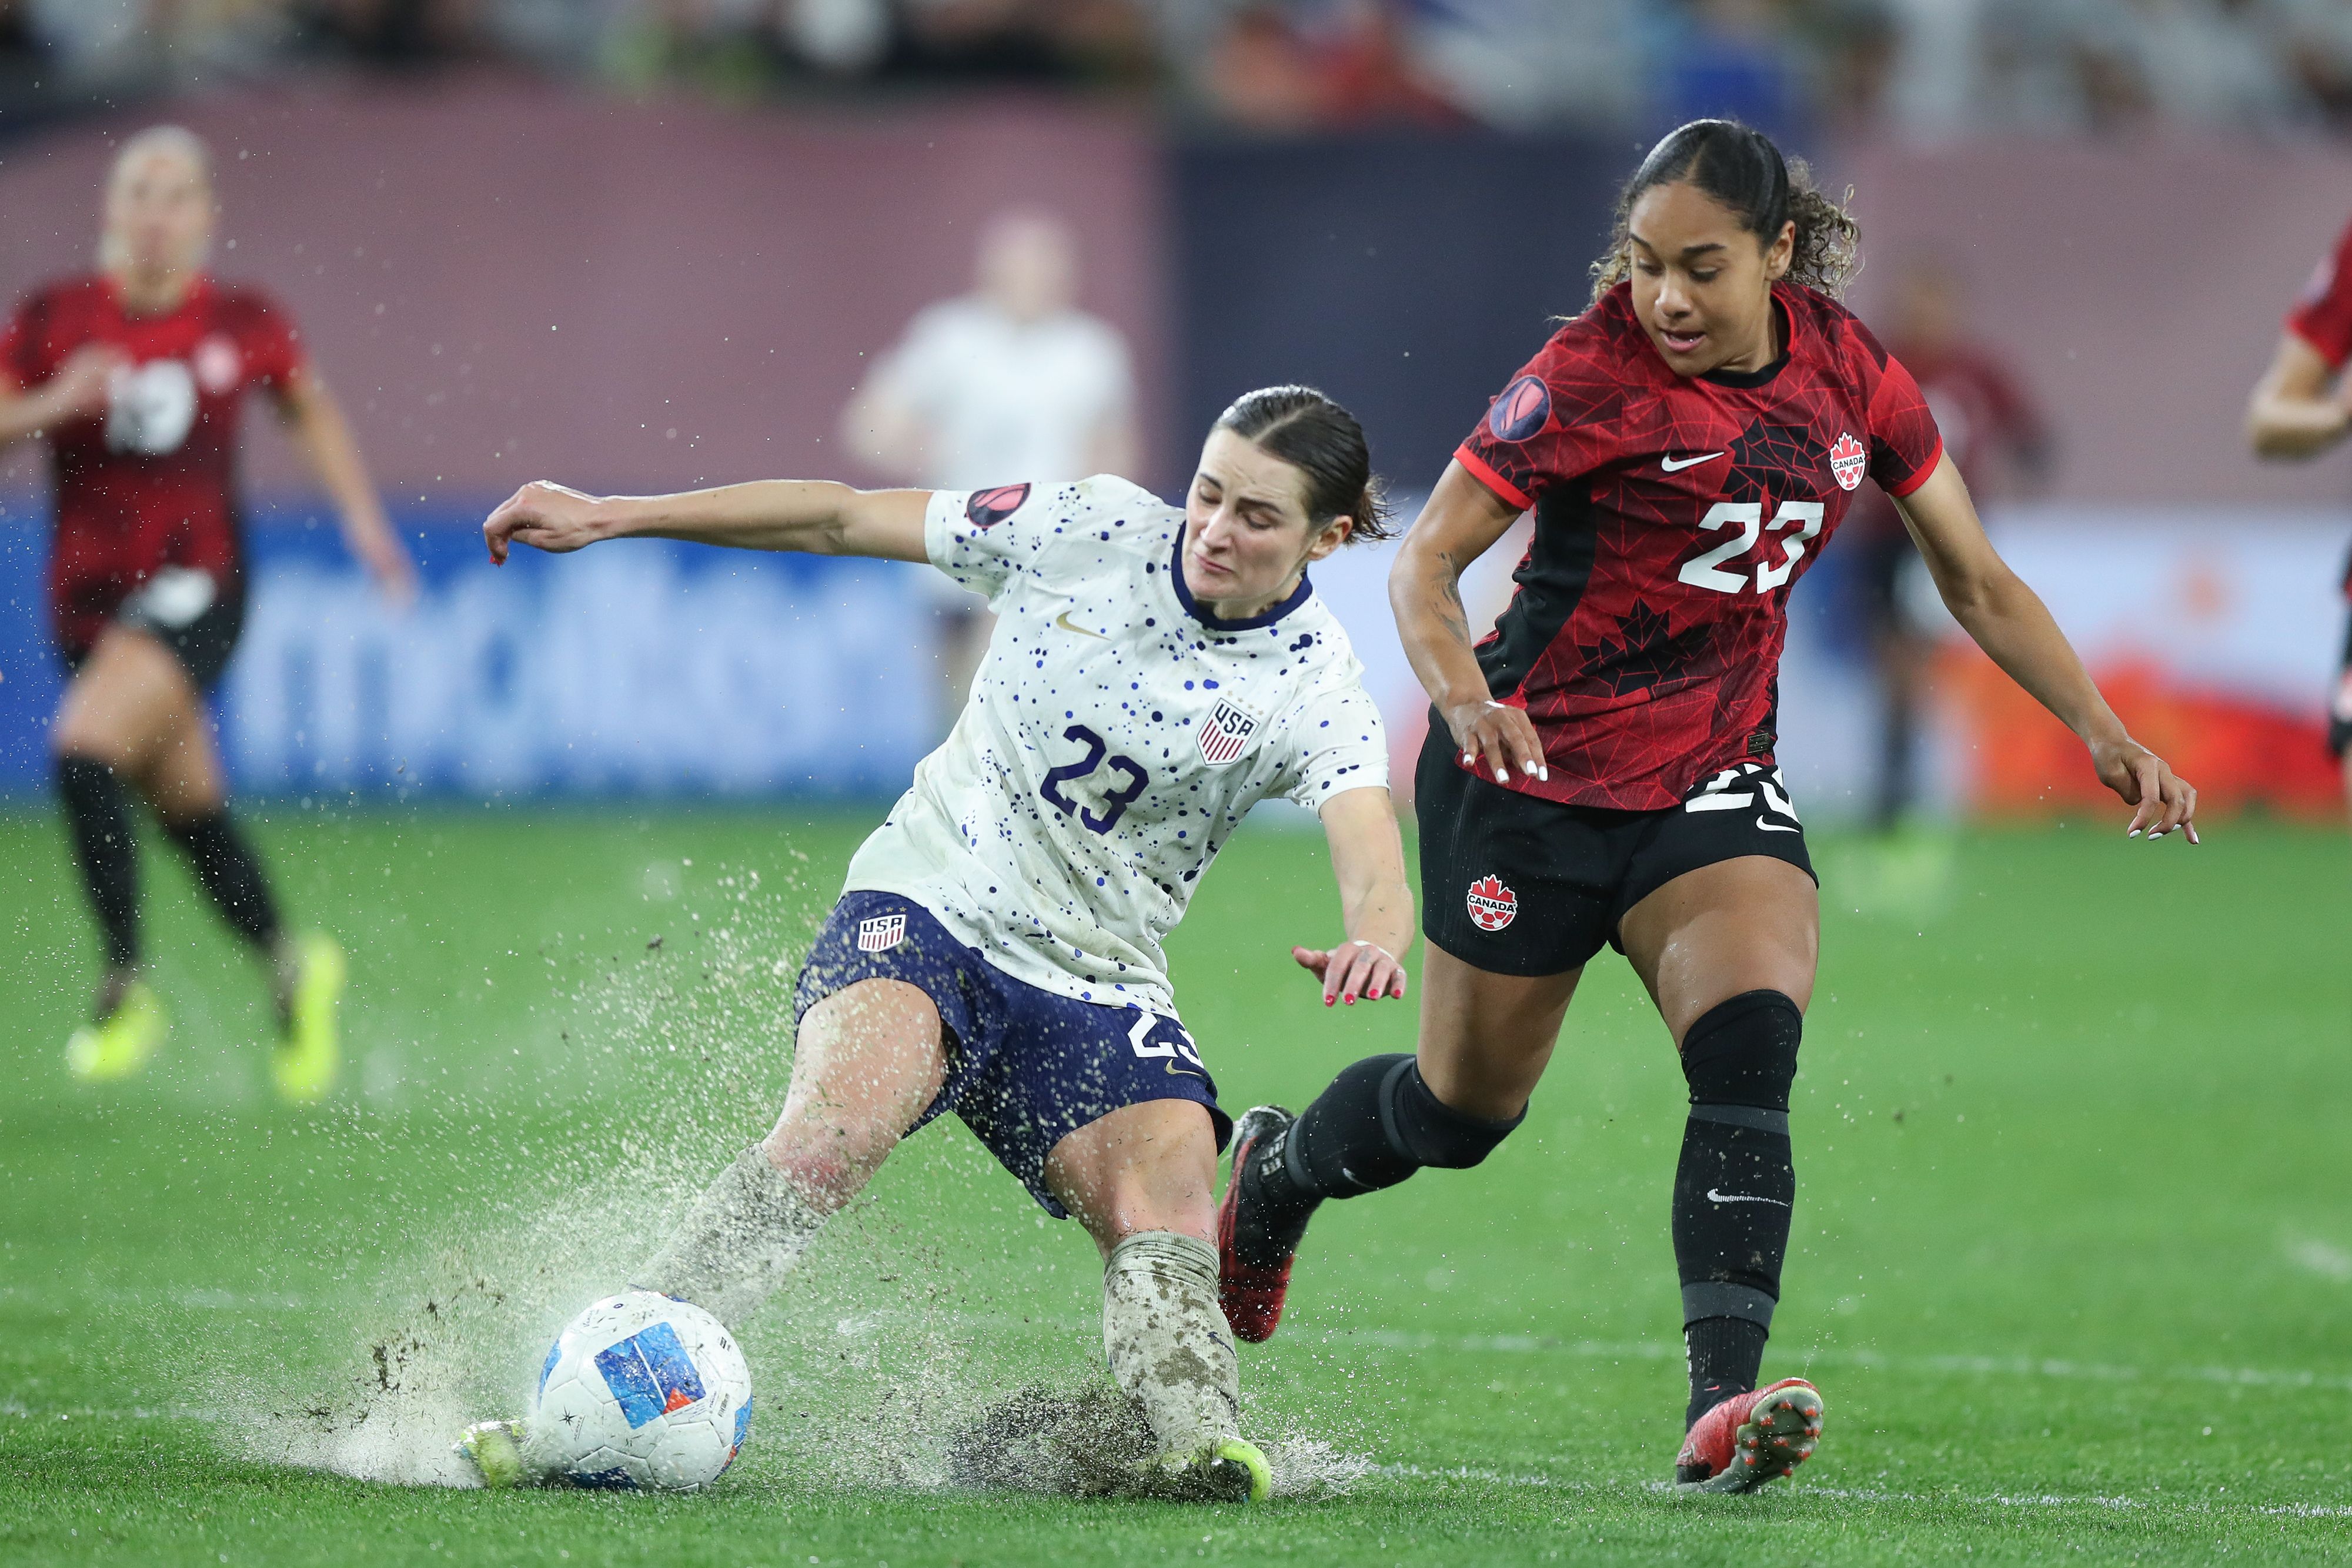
[{"x": 173, "y": 140}]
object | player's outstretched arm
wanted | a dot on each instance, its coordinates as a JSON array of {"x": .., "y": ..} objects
[
  {"x": 1368, "y": 859},
  {"x": 2012, "y": 626},
  {"x": 2295, "y": 411},
  {"x": 1461, "y": 523},
  {"x": 78, "y": 390},
  {"x": 325, "y": 436},
  {"x": 811, "y": 516}
]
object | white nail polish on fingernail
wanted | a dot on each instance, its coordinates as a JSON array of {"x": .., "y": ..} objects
[
  {"x": 1502, "y": 775},
  {"x": 1544, "y": 774},
  {"x": 2133, "y": 834}
]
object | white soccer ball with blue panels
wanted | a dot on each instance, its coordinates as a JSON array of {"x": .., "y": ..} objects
[{"x": 641, "y": 1392}]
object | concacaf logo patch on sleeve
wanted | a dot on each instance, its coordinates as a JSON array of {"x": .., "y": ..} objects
[{"x": 986, "y": 509}]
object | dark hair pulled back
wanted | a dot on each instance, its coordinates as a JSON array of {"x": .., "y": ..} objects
[
  {"x": 1742, "y": 168},
  {"x": 1322, "y": 441}
]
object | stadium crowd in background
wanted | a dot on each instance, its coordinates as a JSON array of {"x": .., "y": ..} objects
[{"x": 1924, "y": 68}]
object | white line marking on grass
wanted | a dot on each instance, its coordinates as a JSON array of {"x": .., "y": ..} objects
[
  {"x": 1979, "y": 1365},
  {"x": 2327, "y": 1261},
  {"x": 1537, "y": 1483},
  {"x": 18, "y": 1409}
]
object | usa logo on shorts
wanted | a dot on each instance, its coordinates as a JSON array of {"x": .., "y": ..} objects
[
  {"x": 1521, "y": 411},
  {"x": 1492, "y": 905},
  {"x": 1227, "y": 734},
  {"x": 1848, "y": 458},
  {"x": 882, "y": 933},
  {"x": 986, "y": 509}
]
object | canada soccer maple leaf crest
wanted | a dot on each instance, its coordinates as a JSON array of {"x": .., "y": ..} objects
[
  {"x": 1492, "y": 905},
  {"x": 1645, "y": 651},
  {"x": 1848, "y": 458}
]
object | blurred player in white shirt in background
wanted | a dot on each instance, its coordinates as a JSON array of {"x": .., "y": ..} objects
[{"x": 1011, "y": 382}]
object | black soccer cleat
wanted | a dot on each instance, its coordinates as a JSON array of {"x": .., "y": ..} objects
[{"x": 1257, "y": 1240}]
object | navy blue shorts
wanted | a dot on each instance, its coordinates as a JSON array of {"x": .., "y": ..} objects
[{"x": 1026, "y": 1066}]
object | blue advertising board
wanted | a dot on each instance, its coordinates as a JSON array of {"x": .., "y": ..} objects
[{"x": 644, "y": 668}]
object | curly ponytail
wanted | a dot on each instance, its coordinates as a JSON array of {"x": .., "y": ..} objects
[{"x": 1743, "y": 170}]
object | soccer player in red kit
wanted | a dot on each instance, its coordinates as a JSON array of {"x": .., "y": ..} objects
[
  {"x": 2301, "y": 408},
  {"x": 1995, "y": 433},
  {"x": 1602, "y": 770},
  {"x": 136, "y": 376}
]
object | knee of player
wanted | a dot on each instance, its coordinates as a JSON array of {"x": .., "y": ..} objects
[
  {"x": 73, "y": 739},
  {"x": 824, "y": 1165},
  {"x": 1433, "y": 1132},
  {"x": 1743, "y": 1051}
]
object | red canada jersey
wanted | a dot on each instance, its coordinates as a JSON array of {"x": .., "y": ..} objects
[
  {"x": 2323, "y": 316},
  {"x": 1673, "y": 516},
  {"x": 151, "y": 483}
]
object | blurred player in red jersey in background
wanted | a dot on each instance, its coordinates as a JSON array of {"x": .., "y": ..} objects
[
  {"x": 2301, "y": 408},
  {"x": 1996, "y": 437},
  {"x": 1599, "y": 771},
  {"x": 136, "y": 376}
]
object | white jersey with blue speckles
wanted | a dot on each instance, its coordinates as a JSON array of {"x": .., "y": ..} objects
[{"x": 1115, "y": 736}]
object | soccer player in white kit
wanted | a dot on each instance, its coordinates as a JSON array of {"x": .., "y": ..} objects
[{"x": 1155, "y": 672}]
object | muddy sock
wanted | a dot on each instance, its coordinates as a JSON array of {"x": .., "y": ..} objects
[
  {"x": 1167, "y": 1341},
  {"x": 98, "y": 814},
  {"x": 739, "y": 1241}
]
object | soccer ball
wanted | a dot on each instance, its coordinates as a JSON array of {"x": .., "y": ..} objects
[{"x": 641, "y": 1391}]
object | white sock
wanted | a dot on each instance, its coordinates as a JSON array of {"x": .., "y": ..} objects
[
  {"x": 737, "y": 1243},
  {"x": 1167, "y": 1339}
]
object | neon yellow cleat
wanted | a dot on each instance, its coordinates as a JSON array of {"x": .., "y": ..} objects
[
  {"x": 495, "y": 1451},
  {"x": 1234, "y": 1471},
  {"x": 303, "y": 1066},
  {"x": 118, "y": 1044},
  {"x": 1236, "y": 1455}
]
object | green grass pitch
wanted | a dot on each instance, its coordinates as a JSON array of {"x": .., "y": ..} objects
[{"x": 2073, "y": 1264}]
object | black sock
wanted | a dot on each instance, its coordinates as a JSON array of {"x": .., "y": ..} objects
[
  {"x": 1376, "y": 1125},
  {"x": 1734, "y": 1190},
  {"x": 230, "y": 871},
  {"x": 97, "y": 813},
  {"x": 1724, "y": 1356}
]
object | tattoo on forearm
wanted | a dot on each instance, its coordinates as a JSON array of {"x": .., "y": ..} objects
[{"x": 1451, "y": 614}]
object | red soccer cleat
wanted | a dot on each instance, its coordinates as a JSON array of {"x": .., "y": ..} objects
[
  {"x": 1253, "y": 1259},
  {"x": 1750, "y": 1438}
]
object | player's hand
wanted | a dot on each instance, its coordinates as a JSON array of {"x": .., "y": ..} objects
[
  {"x": 1498, "y": 737},
  {"x": 2163, "y": 800},
  {"x": 1352, "y": 969},
  {"x": 553, "y": 518},
  {"x": 84, "y": 384},
  {"x": 386, "y": 559}
]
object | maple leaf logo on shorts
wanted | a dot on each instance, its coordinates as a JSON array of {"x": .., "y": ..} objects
[{"x": 1492, "y": 905}]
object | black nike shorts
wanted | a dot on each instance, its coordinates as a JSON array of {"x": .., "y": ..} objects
[
  {"x": 196, "y": 615},
  {"x": 1516, "y": 885}
]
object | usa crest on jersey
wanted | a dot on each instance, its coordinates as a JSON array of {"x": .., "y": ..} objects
[{"x": 1226, "y": 733}]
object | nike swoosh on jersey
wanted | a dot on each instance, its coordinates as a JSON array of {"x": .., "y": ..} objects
[
  {"x": 1714, "y": 1197},
  {"x": 1677, "y": 465},
  {"x": 1066, "y": 624},
  {"x": 1773, "y": 827}
]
